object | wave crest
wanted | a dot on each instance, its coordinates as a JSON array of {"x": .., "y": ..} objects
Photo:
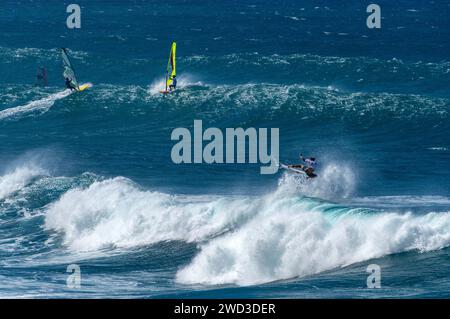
[
  {"x": 115, "y": 212},
  {"x": 299, "y": 240},
  {"x": 243, "y": 240}
]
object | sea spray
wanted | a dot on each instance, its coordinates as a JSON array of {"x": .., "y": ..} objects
[
  {"x": 116, "y": 212},
  {"x": 15, "y": 179},
  {"x": 295, "y": 241},
  {"x": 243, "y": 240}
]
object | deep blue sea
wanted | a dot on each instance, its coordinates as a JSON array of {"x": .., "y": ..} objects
[{"x": 87, "y": 178}]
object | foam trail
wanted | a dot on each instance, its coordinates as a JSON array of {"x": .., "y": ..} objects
[{"x": 42, "y": 105}]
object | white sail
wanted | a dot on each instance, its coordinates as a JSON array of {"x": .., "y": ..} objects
[{"x": 68, "y": 72}]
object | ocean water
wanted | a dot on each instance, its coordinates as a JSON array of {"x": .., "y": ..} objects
[{"x": 87, "y": 178}]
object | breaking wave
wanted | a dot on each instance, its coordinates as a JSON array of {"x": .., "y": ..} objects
[{"x": 242, "y": 240}]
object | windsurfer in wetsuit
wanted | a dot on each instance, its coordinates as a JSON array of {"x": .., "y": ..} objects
[
  {"x": 173, "y": 85},
  {"x": 69, "y": 84},
  {"x": 310, "y": 166}
]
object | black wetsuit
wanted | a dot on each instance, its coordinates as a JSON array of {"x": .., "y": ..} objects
[{"x": 69, "y": 85}]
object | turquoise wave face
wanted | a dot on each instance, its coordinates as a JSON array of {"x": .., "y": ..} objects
[{"x": 87, "y": 178}]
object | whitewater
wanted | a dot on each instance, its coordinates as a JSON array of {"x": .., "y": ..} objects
[{"x": 240, "y": 240}]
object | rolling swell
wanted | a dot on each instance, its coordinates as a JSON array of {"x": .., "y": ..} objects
[
  {"x": 214, "y": 101},
  {"x": 353, "y": 74}
]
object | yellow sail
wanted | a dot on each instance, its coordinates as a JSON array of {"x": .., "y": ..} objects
[{"x": 171, "y": 65}]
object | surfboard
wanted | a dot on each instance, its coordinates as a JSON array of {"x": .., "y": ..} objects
[
  {"x": 292, "y": 169},
  {"x": 83, "y": 87},
  {"x": 297, "y": 170}
]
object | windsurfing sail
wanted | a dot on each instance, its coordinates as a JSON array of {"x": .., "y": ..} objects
[
  {"x": 68, "y": 72},
  {"x": 171, "y": 66}
]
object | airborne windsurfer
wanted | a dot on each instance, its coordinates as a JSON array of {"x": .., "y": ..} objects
[{"x": 310, "y": 166}]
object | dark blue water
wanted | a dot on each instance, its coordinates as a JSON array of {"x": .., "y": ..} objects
[{"x": 87, "y": 178}]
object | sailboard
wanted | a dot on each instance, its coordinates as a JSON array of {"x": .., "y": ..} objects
[
  {"x": 292, "y": 169},
  {"x": 69, "y": 72},
  {"x": 297, "y": 170},
  {"x": 171, "y": 70}
]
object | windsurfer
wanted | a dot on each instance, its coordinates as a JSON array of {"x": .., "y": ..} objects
[{"x": 173, "y": 85}]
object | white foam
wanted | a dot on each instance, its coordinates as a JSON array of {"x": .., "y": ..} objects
[
  {"x": 183, "y": 80},
  {"x": 41, "y": 105},
  {"x": 116, "y": 213},
  {"x": 157, "y": 86},
  {"x": 438, "y": 148},
  {"x": 290, "y": 239},
  {"x": 17, "y": 178},
  {"x": 334, "y": 181},
  {"x": 243, "y": 240}
]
